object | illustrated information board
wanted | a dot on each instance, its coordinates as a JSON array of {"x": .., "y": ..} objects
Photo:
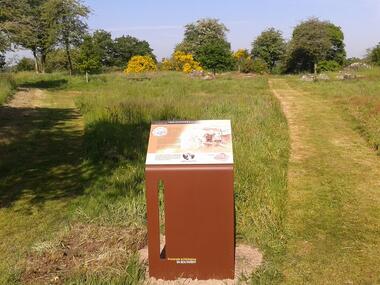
[{"x": 190, "y": 142}]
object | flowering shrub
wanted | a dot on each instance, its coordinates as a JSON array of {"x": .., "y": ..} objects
[
  {"x": 255, "y": 66},
  {"x": 166, "y": 64},
  {"x": 139, "y": 64},
  {"x": 181, "y": 61},
  {"x": 241, "y": 56}
]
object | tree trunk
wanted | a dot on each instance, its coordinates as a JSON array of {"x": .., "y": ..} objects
[
  {"x": 67, "y": 46},
  {"x": 315, "y": 68},
  {"x": 36, "y": 67},
  {"x": 86, "y": 77},
  {"x": 43, "y": 62}
]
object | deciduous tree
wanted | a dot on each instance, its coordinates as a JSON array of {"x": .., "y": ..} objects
[
  {"x": 26, "y": 24},
  {"x": 201, "y": 32},
  {"x": 68, "y": 21},
  {"x": 313, "y": 41},
  {"x": 88, "y": 58},
  {"x": 270, "y": 46},
  {"x": 104, "y": 47},
  {"x": 126, "y": 47},
  {"x": 215, "y": 55},
  {"x": 374, "y": 55}
]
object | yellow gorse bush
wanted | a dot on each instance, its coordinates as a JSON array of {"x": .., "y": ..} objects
[
  {"x": 139, "y": 64},
  {"x": 241, "y": 54},
  {"x": 166, "y": 64},
  {"x": 181, "y": 61}
]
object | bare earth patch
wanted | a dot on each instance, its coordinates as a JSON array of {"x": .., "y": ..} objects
[
  {"x": 299, "y": 150},
  {"x": 26, "y": 98},
  {"x": 22, "y": 106},
  {"x": 247, "y": 260},
  {"x": 82, "y": 249}
]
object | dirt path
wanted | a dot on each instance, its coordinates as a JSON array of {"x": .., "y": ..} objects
[
  {"x": 333, "y": 212},
  {"x": 36, "y": 180}
]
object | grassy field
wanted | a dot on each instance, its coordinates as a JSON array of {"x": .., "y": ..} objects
[
  {"x": 306, "y": 187},
  {"x": 100, "y": 179},
  {"x": 358, "y": 100},
  {"x": 7, "y": 87},
  {"x": 333, "y": 206}
]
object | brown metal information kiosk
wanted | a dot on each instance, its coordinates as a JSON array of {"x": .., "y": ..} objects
[{"x": 191, "y": 163}]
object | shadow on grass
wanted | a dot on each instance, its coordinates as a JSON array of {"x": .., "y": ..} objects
[
  {"x": 114, "y": 141},
  {"x": 45, "y": 154},
  {"x": 46, "y": 84},
  {"x": 40, "y": 155}
]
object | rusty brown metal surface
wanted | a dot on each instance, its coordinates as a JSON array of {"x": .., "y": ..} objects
[{"x": 199, "y": 221}]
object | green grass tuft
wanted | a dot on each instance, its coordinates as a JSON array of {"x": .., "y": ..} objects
[{"x": 7, "y": 87}]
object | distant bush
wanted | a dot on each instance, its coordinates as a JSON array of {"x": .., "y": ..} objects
[
  {"x": 139, "y": 64},
  {"x": 57, "y": 60},
  {"x": 374, "y": 55},
  {"x": 328, "y": 65},
  {"x": 254, "y": 65},
  {"x": 25, "y": 64},
  {"x": 240, "y": 56},
  {"x": 181, "y": 61}
]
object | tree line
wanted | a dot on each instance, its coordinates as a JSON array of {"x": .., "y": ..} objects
[{"x": 57, "y": 34}]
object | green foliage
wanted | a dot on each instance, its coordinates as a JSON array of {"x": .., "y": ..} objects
[
  {"x": 337, "y": 50},
  {"x": 40, "y": 25},
  {"x": 328, "y": 65},
  {"x": 118, "y": 52},
  {"x": 103, "y": 47},
  {"x": 374, "y": 55},
  {"x": 25, "y": 64},
  {"x": 68, "y": 24},
  {"x": 14, "y": 24},
  {"x": 258, "y": 65},
  {"x": 215, "y": 55},
  {"x": 89, "y": 60},
  {"x": 270, "y": 46},
  {"x": 57, "y": 60},
  {"x": 126, "y": 47},
  {"x": 201, "y": 32},
  {"x": 313, "y": 41}
]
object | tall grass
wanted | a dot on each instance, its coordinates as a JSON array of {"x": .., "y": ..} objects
[
  {"x": 7, "y": 87},
  {"x": 118, "y": 113}
]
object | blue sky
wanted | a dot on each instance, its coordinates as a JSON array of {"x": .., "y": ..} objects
[{"x": 161, "y": 22}]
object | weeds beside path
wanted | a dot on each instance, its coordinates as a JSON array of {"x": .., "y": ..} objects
[
  {"x": 36, "y": 180},
  {"x": 333, "y": 210}
]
